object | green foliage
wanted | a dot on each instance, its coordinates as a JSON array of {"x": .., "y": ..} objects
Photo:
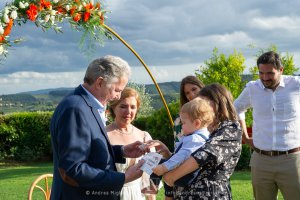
[
  {"x": 289, "y": 65},
  {"x": 244, "y": 160},
  {"x": 21, "y": 98},
  {"x": 224, "y": 70},
  {"x": 25, "y": 136},
  {"x": 158, "y": 124},
  {"x": 145, "y": 108}
]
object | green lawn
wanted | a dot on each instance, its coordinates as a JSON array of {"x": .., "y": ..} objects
[{"x": 15, "y": 181}]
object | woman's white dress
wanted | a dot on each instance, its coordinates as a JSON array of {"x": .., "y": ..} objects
[{"x": 131, "y": 190}]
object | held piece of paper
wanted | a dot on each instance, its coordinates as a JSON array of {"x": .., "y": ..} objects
[{"x": 151, "y": 160}]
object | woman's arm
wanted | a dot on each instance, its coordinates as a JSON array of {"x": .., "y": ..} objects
[{"x": 185, "y": 168}]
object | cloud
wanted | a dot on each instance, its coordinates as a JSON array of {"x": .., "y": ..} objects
[
  {"x": 28, "y": 81},
  {"x": 285, "y": 23},
  {"x": 164, "y": 33}
]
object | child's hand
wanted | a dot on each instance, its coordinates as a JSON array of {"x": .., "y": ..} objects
[
  {"x": 160, "y": 148},
  {"x": 159, "y": 170}
]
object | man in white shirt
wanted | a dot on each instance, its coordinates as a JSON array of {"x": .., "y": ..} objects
[{"x": 275, "y": 99}]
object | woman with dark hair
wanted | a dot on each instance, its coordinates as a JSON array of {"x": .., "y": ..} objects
[
  {"x": 217, "y": 158},
  {"x": 189, "y": 89}
]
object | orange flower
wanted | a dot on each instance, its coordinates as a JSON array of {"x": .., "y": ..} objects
[
  {"x": 1, "y": 38},
  {"x": 45, "y": 4},
  {"x": 102, "y": 19},
  {"x": 88, "y": 7},
  {"x": 32, "y": 12},
  {"x": 97, "y": 6},
  {"x": 61, "y": 10},
  {"x": 8, "y": 27},
  {"x": 77, "y": 17},
  {"x": 86, "y": 16},
  {"x": 72, "y": 10}
]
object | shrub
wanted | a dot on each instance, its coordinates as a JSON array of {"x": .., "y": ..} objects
[
  {"x": 158, "y": 124},
  {"x": 244, "y": 160},
  {"x": 25, "y": 136}
]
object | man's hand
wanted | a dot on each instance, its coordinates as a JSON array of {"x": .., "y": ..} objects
[
  {"x": 160, "y": 169},
  {"x": 249, "y": 141},
  {"x": 159, "y": 147},
  {"x": 134, "y": 172},
  {"x": 134, "y": 150}
]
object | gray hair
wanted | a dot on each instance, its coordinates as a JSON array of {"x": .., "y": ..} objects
[{"x": 110, "y": 68}]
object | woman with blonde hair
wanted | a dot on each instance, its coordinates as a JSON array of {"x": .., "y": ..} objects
[{"x": 122, "y": 132}]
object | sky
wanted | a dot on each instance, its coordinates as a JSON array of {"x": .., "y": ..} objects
[{"x": 173, "y": 37}]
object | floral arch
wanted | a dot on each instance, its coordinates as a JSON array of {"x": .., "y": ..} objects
[{"x": 86, "y": 16}]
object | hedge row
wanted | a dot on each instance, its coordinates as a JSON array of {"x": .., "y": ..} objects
[{"x": 26, "y": 136}]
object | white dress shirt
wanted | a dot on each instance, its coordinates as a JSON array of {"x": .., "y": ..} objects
[
  {"x": 101, "y": 108},
  {"x": 276, "y": 114}
]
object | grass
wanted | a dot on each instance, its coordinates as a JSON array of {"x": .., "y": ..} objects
[{"x": 15, "y": 181}]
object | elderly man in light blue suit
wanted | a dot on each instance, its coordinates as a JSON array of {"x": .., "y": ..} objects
[{"x": 84, "y": 160}]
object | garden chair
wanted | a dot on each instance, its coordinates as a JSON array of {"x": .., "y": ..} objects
[{"x": 41, "y": 183}]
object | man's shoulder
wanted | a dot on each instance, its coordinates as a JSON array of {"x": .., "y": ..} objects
[
  {"x": 253, "y": 83},
  {"x": 72, "y": 100},
  {"x": 288, "y": 79}
]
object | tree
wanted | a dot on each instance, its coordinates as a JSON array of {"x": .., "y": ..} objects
[
  {"x": 224, "y": 70},
  {"x": 145, "y": 108}
]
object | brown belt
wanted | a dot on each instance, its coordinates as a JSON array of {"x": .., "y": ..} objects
[{"x": 276, "y": 153}]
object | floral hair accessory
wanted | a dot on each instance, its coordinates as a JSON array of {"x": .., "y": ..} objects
[{"x": 86, "y": 16}]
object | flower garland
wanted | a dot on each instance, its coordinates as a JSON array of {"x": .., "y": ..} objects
[{"x": 83, "y": 15}]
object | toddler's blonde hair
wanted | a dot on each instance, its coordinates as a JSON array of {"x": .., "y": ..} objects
[{"x": 199, "y": 108}]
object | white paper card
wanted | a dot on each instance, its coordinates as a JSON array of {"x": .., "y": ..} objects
[{"x": 151, "y": 160}]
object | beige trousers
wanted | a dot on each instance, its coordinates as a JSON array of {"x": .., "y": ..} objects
[{"x": 272, "y": 173}]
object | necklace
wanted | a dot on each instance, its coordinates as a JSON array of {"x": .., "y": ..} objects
[{"x": 129, "y": 132}]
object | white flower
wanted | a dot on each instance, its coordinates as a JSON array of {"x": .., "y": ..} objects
[
  {"x": 52, "y": 18},
  {"x": 53, "y": 12},
  {"x": 92, "y": 2},
  {"x": 26, "y": 4},
  {"x": 55, "y": 1},
  {"x": 5, "y": 18},
  {"x": 1, "y": 30},
  {"x": 47, "y": 17},
  {"x": 21, "y": 5},
  {"x": 80, "y": 8},
  {"x": 14, "y": 14},
  {"x": 67, "y": 7},
  {"x": 6, "y": 10},
  {"x": 84, "y": 4},
  {"x": 1, "y": 49}
]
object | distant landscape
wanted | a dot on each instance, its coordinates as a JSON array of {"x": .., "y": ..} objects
[{"x": 47, "y": 100}]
